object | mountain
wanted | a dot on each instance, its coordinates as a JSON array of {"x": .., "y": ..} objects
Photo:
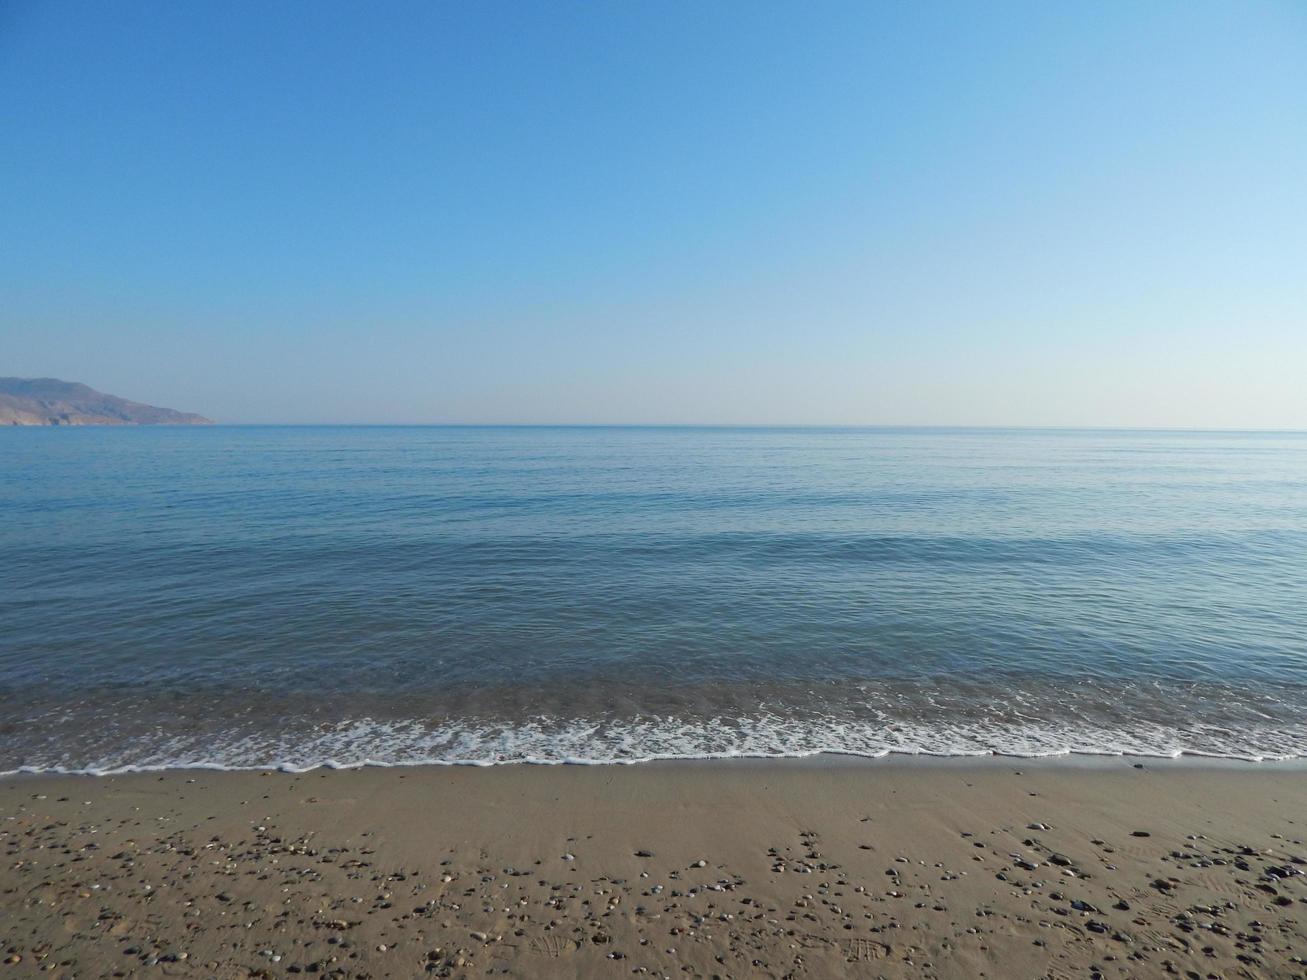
[{"x": 47, "y": 401}]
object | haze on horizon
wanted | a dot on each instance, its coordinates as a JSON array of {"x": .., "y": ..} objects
[{"x": 846, "y": 213}]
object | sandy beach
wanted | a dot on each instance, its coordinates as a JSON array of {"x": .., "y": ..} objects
[{"x": 831, "y": 867}]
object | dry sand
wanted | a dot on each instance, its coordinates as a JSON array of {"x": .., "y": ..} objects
[{"x": 989, "y": 868}]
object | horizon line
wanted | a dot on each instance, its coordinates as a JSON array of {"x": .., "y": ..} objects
[{"x": 1290, "y": 430}]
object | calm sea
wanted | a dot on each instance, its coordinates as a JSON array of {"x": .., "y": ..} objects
[{"x": 301, "y": 596}]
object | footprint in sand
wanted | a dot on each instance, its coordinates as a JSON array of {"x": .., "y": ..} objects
[
  {"x": 552, "y": 946},
  {"x": 865, "y": 950}
]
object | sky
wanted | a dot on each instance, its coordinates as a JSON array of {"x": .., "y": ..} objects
[{"x": 1064, "y": 214}]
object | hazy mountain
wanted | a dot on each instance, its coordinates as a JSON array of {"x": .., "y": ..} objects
[{"x": 48, "y": 401}]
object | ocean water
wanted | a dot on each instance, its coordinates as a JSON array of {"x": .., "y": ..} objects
[{"x": 293, "y": 597}]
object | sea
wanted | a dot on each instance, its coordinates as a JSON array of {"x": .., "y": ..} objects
[{"x": 294, "y": 597}]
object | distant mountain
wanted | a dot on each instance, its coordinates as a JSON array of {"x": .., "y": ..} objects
[{"x": 47, "y": 401}]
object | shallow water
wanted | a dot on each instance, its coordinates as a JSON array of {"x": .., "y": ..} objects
[{"x": 296, "y": 596}]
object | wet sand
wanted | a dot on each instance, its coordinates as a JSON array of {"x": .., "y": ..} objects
[{"x": 986, "y": 868}]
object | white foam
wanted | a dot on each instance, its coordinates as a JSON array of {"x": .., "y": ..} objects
[{"x": 384, "y": 743}]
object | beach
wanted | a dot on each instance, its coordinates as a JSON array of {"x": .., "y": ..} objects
[
  {"x": 991, "y": 867},
  {"x": 653, "y": 702},
  {"x": 700, "y": 491}
]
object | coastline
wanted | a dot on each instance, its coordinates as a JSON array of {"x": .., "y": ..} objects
[
  {"x": 826, "y": 759},
  {"x": 833, "y": 865},
  {"x": 1071, "y": 759}
]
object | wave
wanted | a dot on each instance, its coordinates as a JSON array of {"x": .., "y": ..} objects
[{"x": 368, "y": 742}]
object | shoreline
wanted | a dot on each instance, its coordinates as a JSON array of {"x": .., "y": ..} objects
[
  {"x": 1067, "y": 760},
  {"x": 827, "y": 866}
]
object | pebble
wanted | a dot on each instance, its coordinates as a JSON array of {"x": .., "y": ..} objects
[{"x": 572, "y": 906}]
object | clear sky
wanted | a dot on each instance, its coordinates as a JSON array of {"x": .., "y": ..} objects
[{"x": 869, "y": 212}]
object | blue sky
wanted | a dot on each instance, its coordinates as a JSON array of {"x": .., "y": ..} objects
[{"x": 1000, "y": 213}]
